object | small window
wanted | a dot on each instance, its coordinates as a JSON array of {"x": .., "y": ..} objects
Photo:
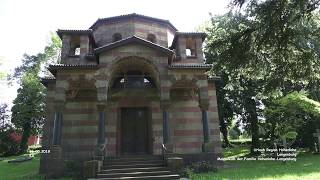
[
  {"x": 77, "y": 51},
  {"x": 152, "y": 38},
  {"x": 116, "y": 37},
  {"x": 188, "y": 52},
  {"x": 191, "y": 47}
]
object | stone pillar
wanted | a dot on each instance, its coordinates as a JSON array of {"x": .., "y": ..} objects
[
  {"x": 57, "y": 127},
  {"x": 182, "y": 47},
  {"x": 84, "y": 48},
  {"x": 65, "y": 50},
  {"x": 100, "y": 149},
  {"x": 207, "y": 145},
  {"x": 199, "y": 52},
  {"x": 101, "y": 127},
  {"x": 205, "y": 123},
  {"x": 166, "y": 128},
  {"x": 55, "y": 166}
]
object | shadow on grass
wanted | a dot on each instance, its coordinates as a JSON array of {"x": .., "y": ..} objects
[{"x": 307, "y": 166}]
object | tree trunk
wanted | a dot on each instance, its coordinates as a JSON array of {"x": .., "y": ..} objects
[
  {"x": 25, "y": 136},
  {"x": 272, "y": 133},
  {"x": 224, "y": 131},
  {"x": 254, "y": 127}
]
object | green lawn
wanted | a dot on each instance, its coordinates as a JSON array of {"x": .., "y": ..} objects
[
  {"x": 23, "y": 170},
  {"x": 307, "y": 166}
]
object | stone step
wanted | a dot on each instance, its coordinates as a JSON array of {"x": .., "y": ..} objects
[
  {"x": 133, "y": 158},
  {"x": 156, "y": 177},
  {"x": 135, "y": 169},
  {"x": 133, "y": 162},
  {"x": 134, "y": 174},
  {"x": 140, "y": 165}
]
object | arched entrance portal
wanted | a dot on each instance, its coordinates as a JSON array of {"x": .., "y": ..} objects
[{"x": 134, "y": 85}]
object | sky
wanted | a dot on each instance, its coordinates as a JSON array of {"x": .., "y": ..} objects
[{"x": 25, "y": 25}]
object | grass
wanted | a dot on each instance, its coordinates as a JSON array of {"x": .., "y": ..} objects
[
  {"x": 23, "y": 170},
  {"x": 307, "y": 166},
  {"x": 28, "y": 170}
]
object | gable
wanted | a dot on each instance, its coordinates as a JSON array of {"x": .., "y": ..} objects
[{"x": 134, "y": 41}]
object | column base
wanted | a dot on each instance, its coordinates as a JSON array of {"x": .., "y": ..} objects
[
  {"x": 56, "y": 152},
  {"x": 55, "y": 165},
  {"x": 175, "y": 164},
  {"x": 91, "y": 168},
  {"x": 99, "y": 152},
  {"x": 208, "y": 147},
  {"x": 169, "y": 147}
]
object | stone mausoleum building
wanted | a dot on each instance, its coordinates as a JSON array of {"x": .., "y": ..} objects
[{"x": 129, "y": 86}]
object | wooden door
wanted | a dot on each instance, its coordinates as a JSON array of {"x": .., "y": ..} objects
[{"x": 134, "y": 130}]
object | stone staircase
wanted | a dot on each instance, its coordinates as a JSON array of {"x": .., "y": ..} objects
[{"x": 135, "y": 167}]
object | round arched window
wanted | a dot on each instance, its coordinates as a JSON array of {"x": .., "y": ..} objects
[
  {"x": 152, "y": 38},
  {"x": 116, "y": 37}
]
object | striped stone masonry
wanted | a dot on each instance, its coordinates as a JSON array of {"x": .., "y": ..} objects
[{"x": 89, "y": 98}]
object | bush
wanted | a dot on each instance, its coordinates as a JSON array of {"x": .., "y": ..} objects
[
  {"x": 8, "y": 146},
  {"x": 202, "y": 167}
]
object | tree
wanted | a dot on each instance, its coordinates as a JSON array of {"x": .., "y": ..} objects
[
  {"x": 267, "y": 49},
  {"x": 3, "y": 115},
  {"x": 28, "y": 106},
  {"x": 8, "y": 146},
  {"x": 32, "y": 63},
  {"x": 28, "y": 109},
  {"x": 294, "y": 112}
]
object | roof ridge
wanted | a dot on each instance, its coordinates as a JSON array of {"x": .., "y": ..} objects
[
  {"x": 129, "y": 39},
  {"x": 132, "y": 15}
]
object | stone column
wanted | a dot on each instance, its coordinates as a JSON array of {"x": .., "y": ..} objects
[
  {"x": 101, "y": 127},
  {"x": 84, "y": 48},
  {"x": 65, "y": 50},
  {"x": 204, "y": 104},
  {"x": 166, "y": 128},
  {"x": 182, "y": 48},
  {"x": 55, "y": 161},
  {"x": 57, "y": 127},
  {"x": 100, "y": 149},
  {"x": 207, "y": 145},
  {"x": 199, "y": 51}
]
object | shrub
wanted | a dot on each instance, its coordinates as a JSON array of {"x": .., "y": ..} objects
[
  {"x": 203, "y": 166},
  {"x": 8, "y": 146}
]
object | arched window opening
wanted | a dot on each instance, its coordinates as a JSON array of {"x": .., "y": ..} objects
[
  {"x": 191, "y": 47},
  {"x": 116, "y": 37},
  {"x": 151, "y": 38},
  {"x": 133, "y": 79},
  {"x": 77, "y": 51},
  {"x": 74, "y": 46}
]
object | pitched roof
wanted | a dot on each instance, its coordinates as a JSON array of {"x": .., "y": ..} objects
[
  {"x": 129, "y": 16},
  {"x": 133, "y": 39},
  {"x": 54, "y": 67},
  {"x": 73, "y": 31},
  {"x": 48, "y": 79},
  {"x": 190, "y": 66}
]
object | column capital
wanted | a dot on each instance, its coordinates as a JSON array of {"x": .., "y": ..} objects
[
  {"x": 101, "y": 106},
  {"x": 204, "y": 104},
  {"x": 59, "y": 105},
  {"x": 165, "y": 104}
]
